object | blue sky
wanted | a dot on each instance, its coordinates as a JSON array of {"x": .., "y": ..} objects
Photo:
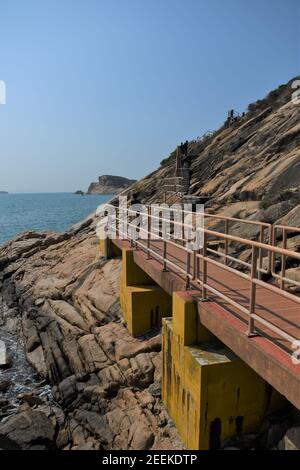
[{"x": 111, "y": 86}]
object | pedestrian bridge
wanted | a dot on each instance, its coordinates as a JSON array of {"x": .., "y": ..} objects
[{"x": 231, "y": 290}]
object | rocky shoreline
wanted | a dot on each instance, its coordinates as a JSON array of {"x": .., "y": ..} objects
[
  {"x": 61, "y": 299},
  {"x": 90, "y": 384}
]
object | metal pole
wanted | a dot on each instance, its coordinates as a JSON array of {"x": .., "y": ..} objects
[
  {"x": 204, "y": 276},
  {"x": 188, "y": 268},
  {"x": 271, "y": 242},
  {"x": 251, "y": 331},
  {"x": 226, "y": 241},
  {"x": 149, "y": 232},
  {"x": 117, "y": 225},
  {"x": 283, "y": 258},
  {"x": 130, "y": 228},
  {"x": 165, "y": 256},
  {"x": 195, "y": 265},
  {"x": 261, "y": 239}
]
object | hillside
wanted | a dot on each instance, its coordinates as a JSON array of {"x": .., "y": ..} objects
[{"x": 249, "y": 168}]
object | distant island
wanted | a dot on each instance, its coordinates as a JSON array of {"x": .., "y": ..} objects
[
  {"x": 109, "y": 184},
  {"x": 3, "y": 192}
]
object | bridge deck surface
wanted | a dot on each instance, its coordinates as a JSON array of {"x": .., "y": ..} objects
[
  {"x": 282, "y": 312},
  {"x": 268, "y": 353}
]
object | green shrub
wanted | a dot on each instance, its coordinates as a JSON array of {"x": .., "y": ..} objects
[{"x": 264, "y": 204}]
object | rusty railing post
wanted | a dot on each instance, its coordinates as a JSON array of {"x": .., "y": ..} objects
[
  {"x": 283, "y": 258},
  {"x": 255, "y": 255},
  {"x": 195, "y": 270},
  {"x": 188, "y": 268},
  {"x": 148, "y": 232},
  {"x": 226, "y": 241},
  {"x": 165, "y": 256},
  {"x": 130, "y": 229},
  {"x": 271, "y": 242},
  {"x": 204, "y": 273},
  {"x": 260, "y": 258},
  {"x": 117, "y": 219},
  {"x": 136, "y": 231}
]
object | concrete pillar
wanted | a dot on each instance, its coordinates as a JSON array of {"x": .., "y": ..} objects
[
  {"x": 209, "y": 392},
  {"x": 144, "y": 303},
  {"x": 108, "y": 249}
]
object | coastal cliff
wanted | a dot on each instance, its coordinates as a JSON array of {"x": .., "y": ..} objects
[{"x": 109, "y": 184}]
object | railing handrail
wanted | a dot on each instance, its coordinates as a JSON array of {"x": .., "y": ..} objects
[
  {"x": 223, "y": 217},
  {"x": 233, "y": 238},
  {"x": 287, "y": 227},
  {"x": 257, "y": 248}
]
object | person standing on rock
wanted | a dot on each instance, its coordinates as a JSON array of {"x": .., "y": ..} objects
[{"x": 185, "y": 147}]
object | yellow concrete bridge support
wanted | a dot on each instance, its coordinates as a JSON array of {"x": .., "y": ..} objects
[
  {"x": 210, "y": 393},
  {"x": 143, "y": 302}
]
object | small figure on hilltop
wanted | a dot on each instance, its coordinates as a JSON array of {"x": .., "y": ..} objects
[
  {"x": 232, "y": 117},
  {"x": 186, "y": 147}
]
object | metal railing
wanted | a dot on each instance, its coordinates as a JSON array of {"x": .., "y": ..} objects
[
  {"x": 173, "y": 186},
  {"x": 265, "y": 237},
  {"x": 284, "y": 231},
  {"x": 195, "y": 263}
]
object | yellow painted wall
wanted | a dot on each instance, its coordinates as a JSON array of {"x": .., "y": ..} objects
[
  {"x": 108, "y": 249},
  {"x": 144, "y": 304},
  {"x": 144, "y": 307},
  {"x": 186, "y": 324},
  {"x": 209, "y": 392},
  {"x": 132, "y": 274}
]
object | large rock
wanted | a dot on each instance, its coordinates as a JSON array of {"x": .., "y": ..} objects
[
  {"x": 292, "y": 218},
  {"x": 29, "y": 430},
  {"x": 93, "y": 356},
  {"x": 291, "y": 440},
  {"x": 141, "y": 437},
  {"x": 109, "y": 184},
  {"x": 5, "y": 384},
  {"x": 37, "y": 359}
]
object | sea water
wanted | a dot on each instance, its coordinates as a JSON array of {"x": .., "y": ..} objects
[{"x": 44, "y": 211}]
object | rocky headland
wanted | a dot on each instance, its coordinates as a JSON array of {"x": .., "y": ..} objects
[{"x": 109, "y": 184}]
